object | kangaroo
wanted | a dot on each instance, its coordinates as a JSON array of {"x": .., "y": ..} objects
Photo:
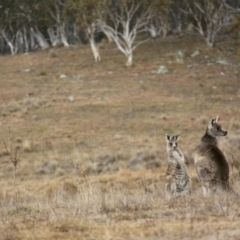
[
  {"x": 211, "y": 165},
  {"x": 178, "y": 181}
]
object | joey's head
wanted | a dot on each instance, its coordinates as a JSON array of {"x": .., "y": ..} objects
[
  {"x": 214, "y": 129},
  {"x": 172, "y": 143}
]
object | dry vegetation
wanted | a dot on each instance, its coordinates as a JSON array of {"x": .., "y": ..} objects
[{"x": 92, "y": 143}]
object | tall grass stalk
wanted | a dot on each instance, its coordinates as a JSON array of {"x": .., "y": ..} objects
[{"x": 13, "y": 154}]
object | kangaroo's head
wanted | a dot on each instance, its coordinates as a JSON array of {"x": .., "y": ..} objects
[
  {"x": 214, "y": 129},
  {"x": 172, "y": 143}
]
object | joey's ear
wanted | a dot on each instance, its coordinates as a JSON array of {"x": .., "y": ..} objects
[{"x": 168, "y": 137}]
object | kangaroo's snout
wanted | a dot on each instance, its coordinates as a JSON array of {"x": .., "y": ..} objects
[{"x": 225, "y": 133}]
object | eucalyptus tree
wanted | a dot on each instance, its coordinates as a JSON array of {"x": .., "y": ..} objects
[
  {"x": 126, "y": 19},
  {"x": 37, "y": 20},
  {"x": 87, "y": 13},
  {"x": 160, "y": 23},
  {"x": 46, "y": 18},
  {"x": 57, "y": 22},
  {"x": 10, "y": 21},
  {"x": 207, "y": 16},
  {"x": 19, "y": 21},
  {"x": 177, "y": 16}
]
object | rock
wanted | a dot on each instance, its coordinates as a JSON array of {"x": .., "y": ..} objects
[
  {"x": 27, "y": 70},
  {"x": 190, "y": 66},
  {"x": 62, "y": 76},
  {"x": 222, "y": 62},
  {"x": 195, "y": 53},
  {"x": 180, "y": 54},
  {"x": 179, "y": 60},
  {"x": 48, "y": 168},
  {"x": 161, "y": 70},
  {"x": 76, "y": 77},
  {"x": 71, "y": 99}
]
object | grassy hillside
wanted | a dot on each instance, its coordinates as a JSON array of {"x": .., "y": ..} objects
[{"x": 91, "y": 139}]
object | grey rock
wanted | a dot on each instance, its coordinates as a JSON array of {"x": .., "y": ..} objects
[
  {"x": 190, "y": 66},
  {"x": 195, "y": 53},
  {"x": 62, "y": 76},
  {"x": 71, "y": 99},
  {"x": 161, "y": 70},
  {"x": 180, "y": 54},
  {"x": 76, "y": 77},
  {"x": 222, "y": 62}
]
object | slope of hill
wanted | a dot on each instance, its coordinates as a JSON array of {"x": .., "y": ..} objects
[{"x": 91, "y": 139}]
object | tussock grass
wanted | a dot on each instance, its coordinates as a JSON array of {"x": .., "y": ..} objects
[{"x": 91, "y": 208}]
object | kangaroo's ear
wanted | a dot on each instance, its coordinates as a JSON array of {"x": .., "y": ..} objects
[
  {"x": 216, "y": 119},
  {"x": 211, "y": 123},
  {"x": 168, "y": 137},
  {"x": 176, "y": 137}
]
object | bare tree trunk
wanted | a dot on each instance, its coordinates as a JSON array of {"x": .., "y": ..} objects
[
  {"x": 153, "y": 31},
  {"x": 25, "y": 39},
  {"x": 129, "y": 59},
  {"x": 40, "y": 38},
  {"x": 108, "y": 36},
  {"x": 210, "y": 39},
  {"x": 51, "y": 36},
  {"x": 19, "y": 42},
  {"x": 94, "y": 47},
  {"x": 54, "y": 38},
  {"x": 76, "y": 32},
  {"x": 95, "y": 50},
  {"x": 63, "y": 36},
  {"x": 13, "y": 49},
  {"x": 164, "y": 31},
  {"x": 32, "y": 40}
]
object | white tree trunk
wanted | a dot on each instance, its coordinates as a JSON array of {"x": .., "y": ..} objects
[
  {"x": 25, "y": 39},
  {"x": 153, "y": 31},
  {"x": 32, "y": 40},
  {"x": 108, "y": 36},
  {"x": 19, "y": 42},
  {"x": 95, "y": 50},
  {"x": 94, "y": 47},
  {"x": 76, "y": 32},
  {"x": 63, "y": 36},
  {"x": 129, "y": 59},
  {"x": 13, "y": 49},
  {"x": 51, "y": 36},
  {"x": 210, "y": 39},
  {"x": 40, "y": 38}
]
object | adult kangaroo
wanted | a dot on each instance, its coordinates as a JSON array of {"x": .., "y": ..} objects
[{"x": 211, "y": 165}]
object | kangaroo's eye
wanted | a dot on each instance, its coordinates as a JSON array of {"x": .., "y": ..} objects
[
  {"x": 176, "y": 144},
  {"x": 218, "y": 128},
  {"x": 170, "y": 144}
]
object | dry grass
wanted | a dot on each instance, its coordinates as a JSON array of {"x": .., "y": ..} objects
[{"x": 94, "y": 168}]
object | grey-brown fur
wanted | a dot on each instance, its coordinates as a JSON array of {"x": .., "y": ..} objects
[
  {"x": 211, "y": 165},
  {"x": 178, "y": 181}
]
